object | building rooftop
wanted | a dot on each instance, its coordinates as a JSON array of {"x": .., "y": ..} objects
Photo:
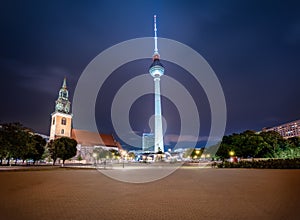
[{"x": 88, "y": 138}]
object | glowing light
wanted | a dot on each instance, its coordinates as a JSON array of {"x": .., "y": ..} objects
[{"x": 156, "y": 71}]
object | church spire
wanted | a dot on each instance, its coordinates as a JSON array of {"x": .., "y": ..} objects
[
  {"x": 62, "y": 103},
  {"x": 64, "y": 85}
]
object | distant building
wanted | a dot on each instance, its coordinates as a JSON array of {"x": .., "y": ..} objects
[
  {"x": 61, "y": 126},
  {"x": 287, "y": 130},
  {"x": 148, "y": 142},
  {"x": 87, "y": 141},
  {"x": 46, "y": 137}
]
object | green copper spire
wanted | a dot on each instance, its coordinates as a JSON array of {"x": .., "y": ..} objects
[{"x": 62, "y": 103}]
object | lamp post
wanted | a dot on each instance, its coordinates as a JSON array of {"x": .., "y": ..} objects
[
  {"x": 231, "y": 154},
  {"x": 123, "y": 153}
]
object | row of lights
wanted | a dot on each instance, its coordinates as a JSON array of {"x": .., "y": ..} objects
[{"x": 124, "y": 154}]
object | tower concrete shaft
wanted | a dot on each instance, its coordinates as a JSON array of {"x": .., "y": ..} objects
[
  {"x": 157, "y": 70},
  {"x": 158, "y": 133}
]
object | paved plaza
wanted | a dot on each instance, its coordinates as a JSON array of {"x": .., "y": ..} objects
[{"x": 188, "y": 193}]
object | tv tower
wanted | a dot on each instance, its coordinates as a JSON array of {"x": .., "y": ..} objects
[{"x": 157, "y": 70}]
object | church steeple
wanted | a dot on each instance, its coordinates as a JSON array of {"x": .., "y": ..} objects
[
  {"x": 62, "y": 103},
  {"x": 61, "y": 118},
  {"x": 64, "y": 83}
]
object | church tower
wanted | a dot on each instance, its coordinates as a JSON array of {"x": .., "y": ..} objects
[{"x": 61, "y": 118}]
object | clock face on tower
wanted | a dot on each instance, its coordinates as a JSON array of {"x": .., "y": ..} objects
[
  {"x": 62, "y": 105},
  {"x": 59, "y": 106}
]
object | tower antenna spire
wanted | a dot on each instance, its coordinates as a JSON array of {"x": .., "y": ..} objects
[{"x": 156, "y": 54}]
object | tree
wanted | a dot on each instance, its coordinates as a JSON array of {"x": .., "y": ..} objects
[
  {"x": 131, "y": 155},
  {"x": 53, "y": 150},
  {"x": 3, "y": 145},
  {"x": 100, "y": 153},
  {"x": 37, "y": 148},
  {"x": 15, "y": 141},
  {"x": 18, "y": 142},
  {"x": 63, "y": 148},
  {"x": 79, "y": 158},
  {"x": 290, "y": 150},
  {"x": 274, "y": 143},
  {"x": 294, "y": 142},
  {"x": 66, "y": 148},
  {"x": 226, "y": 146},
  {"x": 252, "y": 144}
]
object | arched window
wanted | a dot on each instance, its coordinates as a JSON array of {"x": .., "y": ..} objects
[
  {"x": 53, "y": 121},
  {"x": 62, "y": 131},
  {"x": 63, "y": 121}
]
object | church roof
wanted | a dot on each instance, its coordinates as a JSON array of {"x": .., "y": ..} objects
[{"x": 88, "y": 138}]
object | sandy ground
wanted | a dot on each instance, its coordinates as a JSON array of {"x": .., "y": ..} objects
[{"x": 185, "y": 194}]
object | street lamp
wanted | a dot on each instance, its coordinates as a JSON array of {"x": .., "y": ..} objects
[
  {"x": 231, "y": 154},
  {"x": 123, "y": 153}
]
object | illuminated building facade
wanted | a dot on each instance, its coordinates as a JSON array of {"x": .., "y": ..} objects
[
  {"x": 148, "y": 142},
  {"x": 287, "y": 130}
]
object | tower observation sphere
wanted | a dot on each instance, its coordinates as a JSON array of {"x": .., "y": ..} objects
[{"x": 156, "y": 69}]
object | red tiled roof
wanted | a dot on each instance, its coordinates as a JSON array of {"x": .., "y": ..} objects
[{"x": 88, "y": 138}]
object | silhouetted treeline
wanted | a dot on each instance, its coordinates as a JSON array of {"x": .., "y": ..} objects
[
  {"x": 20, "y": 143},
  {"x": 250, "y": 144}
]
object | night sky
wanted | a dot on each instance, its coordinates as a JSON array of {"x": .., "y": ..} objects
[{"x": 252, "y": 46}]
